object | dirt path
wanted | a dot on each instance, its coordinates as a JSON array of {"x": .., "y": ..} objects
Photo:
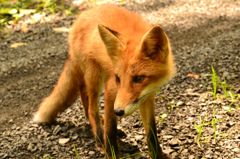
[{"x": 203, "y": 34}]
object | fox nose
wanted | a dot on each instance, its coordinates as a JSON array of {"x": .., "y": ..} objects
[{"x": 119, "y": 112}]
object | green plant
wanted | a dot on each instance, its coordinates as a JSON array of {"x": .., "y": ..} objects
[
  {"x": 228, "y": 94},
  {"x": 76, "y": 152},
  {"x": 12, "y": 11},
  {"x": 233, "y": 97},
  {"x": 162, "y": 117},
  {"x": 205, "y": 122},
  {"x": 199, "y": 128},
  {"x": 214, "y": 82},
  {"x": 226, "y": 89},
  {"x": 172, "y": 105},
  {"x": 112, "y": 149},
  {"x": 155, "y": 145},
  {"x": 213, "y": 121}
]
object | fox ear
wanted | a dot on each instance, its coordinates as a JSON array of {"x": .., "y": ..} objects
[
  {"x": 111, "y": 41},
  {"x": 155, "y": 44}
]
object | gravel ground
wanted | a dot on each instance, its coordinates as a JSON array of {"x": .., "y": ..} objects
[{"x": 191, "y": 123}]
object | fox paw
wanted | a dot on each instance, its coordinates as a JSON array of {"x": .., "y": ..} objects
[{"x": 40, "y": 118}]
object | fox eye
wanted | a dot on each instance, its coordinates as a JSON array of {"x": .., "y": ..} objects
[
  {"x": 138, "y": 79},
  {"x": 117, "y": 78}
]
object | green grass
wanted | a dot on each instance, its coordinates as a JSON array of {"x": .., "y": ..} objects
[
  {"x": 113, "y": 154},
  {"x": 215, "y": 81},
  {"x": 154, "y": 153},
  {"x": 220, "y": 91},
  {"x": 228, "y": 93},
  {"x": 76, "y": 152},
  {"x": 172, "y": 106},
  {"x": 200, "y": 128},
  {"x": 203, "y": 122},
  {"x": 11, "y": 11},
  {"x": 162, "y": 118}
]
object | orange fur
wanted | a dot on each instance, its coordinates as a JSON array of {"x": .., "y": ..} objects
[{"x": 112, "y": 48}]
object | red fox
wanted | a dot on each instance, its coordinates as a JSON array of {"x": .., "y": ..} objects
[{"x": 115, "y": 49}]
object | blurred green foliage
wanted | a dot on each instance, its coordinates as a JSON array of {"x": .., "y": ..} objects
[{"x": 12, "y": 10}]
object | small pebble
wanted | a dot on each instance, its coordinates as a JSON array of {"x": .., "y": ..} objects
[{"x": 63, "y": 141}]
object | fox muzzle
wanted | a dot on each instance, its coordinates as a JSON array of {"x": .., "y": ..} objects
[{"x": 119, "y": 111}]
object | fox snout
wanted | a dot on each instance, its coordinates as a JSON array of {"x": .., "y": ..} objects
[
  {"x": 126, "y": 108},
  {"x": 119, "y": 111}
]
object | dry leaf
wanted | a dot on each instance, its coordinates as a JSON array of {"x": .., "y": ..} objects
[
  {"x": 193, "y": 75},
  {"x": 15, "y": 45}
]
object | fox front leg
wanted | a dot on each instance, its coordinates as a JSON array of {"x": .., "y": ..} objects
[
  {"x": 110, "y": 120},
  {"x": 147, "y": 114}
]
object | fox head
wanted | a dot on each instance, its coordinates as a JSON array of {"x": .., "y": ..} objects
[{"x": 140, "y": 67}]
